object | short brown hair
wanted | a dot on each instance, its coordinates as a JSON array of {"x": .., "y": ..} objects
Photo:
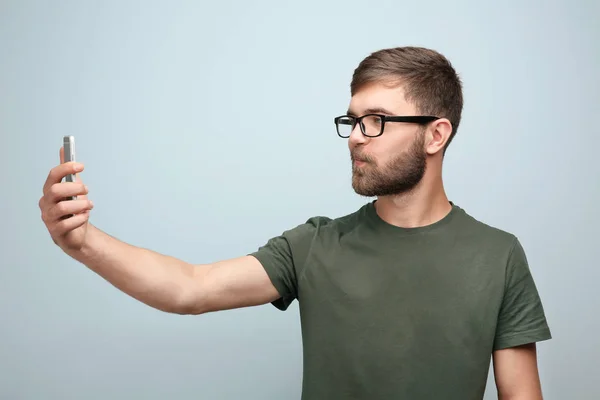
[{"x": 428, "y": 78}]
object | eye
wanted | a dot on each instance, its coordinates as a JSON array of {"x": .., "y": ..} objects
[{"x": 372, "y": 121}]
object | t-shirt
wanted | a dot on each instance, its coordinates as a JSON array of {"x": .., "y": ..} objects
[{"x": 403, "y": 313}]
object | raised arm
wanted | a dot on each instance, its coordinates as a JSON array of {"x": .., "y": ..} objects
[
  {"x": 160, "y": 281},
  {"x": 173, "y": 285}
]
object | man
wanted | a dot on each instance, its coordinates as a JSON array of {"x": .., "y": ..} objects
[{"x": 407, "y": 298}]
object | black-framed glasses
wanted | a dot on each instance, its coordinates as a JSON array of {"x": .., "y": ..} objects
[{"x": 372, "y": 125}]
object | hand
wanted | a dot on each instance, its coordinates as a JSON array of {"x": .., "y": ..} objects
[{"x": 66, "y": 220}]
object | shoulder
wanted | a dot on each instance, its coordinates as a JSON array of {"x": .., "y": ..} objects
[
  {"x": 482, "y": 233},
  {"x": 291, "y": 248},
  {"x": 322, "y": 226},
  {"x": 323, "y": 223},
  {"x": 499, "y": 249}
]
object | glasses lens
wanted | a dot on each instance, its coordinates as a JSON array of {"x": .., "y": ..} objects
[
  {"x": 344, "y": 126},
  {"x": 371, "y": 125}
]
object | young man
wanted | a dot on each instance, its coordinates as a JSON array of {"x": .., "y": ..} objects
[{"x": 407, "y": 298}]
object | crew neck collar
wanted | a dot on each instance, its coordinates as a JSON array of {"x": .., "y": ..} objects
[{"x": 374, "y": 218}]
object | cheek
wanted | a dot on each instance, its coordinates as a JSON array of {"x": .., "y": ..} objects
[{"x": 386, "y": 151}]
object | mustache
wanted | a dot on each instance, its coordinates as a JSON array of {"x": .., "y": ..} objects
[{"x": 360, "y": 156}]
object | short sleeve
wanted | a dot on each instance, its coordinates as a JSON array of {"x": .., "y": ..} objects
[
  {"x": 521, "y": 319},
  {"x": 284, "y": 258}
]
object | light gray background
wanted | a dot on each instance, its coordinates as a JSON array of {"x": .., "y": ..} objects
[{"x": 206, "y": 128}]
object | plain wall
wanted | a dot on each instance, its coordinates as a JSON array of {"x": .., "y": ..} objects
[{"x": 207, "y": 127}]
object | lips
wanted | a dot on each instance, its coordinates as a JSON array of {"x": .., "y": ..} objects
[{"x": 359, "y": 159}]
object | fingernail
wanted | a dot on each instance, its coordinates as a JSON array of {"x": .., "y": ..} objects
[{"x": 77, "y": 167}]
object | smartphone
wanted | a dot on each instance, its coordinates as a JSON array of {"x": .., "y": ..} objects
[{"x": 69, "y": 146}]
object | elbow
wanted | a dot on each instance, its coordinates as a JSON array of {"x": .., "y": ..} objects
[
  {"x": 180, "y": 307},
  {"x": 188, "y": 302},
  {"x": 172, "y": 300},
  {"x": 189, "y": 296},
  {"x": 186, "y": 308}
]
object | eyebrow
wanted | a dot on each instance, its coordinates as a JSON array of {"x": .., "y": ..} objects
[{"x": 375, "y": 110}]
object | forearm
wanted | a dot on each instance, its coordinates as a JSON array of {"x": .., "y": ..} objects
[{"x": 157, "y": 280}]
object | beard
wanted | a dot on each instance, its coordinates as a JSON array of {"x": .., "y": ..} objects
[{"x": 399, "y": 176}]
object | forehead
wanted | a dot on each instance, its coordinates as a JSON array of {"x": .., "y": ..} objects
[{"x": 381, "y": 99}]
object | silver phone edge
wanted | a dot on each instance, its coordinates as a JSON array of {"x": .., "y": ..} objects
[{"x": 69, "y": 155}]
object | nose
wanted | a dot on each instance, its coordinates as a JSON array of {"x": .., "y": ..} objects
[{"x": 356, "y": 137}]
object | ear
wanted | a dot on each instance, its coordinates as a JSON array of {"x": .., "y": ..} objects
[{"x": 438, "y": 134}]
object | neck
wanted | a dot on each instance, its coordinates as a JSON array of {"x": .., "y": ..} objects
[{"x": 424, "y": 205}]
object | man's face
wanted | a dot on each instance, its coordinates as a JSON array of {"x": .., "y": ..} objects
[{"x": 395, "y": 162}]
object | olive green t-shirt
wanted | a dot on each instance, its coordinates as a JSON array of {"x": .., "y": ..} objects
[{"x": 403, "y": 313}]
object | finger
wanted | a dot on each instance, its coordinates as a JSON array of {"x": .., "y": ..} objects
[
  {"x": 60, "y": 191},
  {"x": 85, "y": 193},
  {"x": 68, "y": 224},
  {"x": 62, "y": 161},
  {"x": 57, "y": 173},
  {"x": 78, "y": 179},
  {"x": 68, "y": 207}
]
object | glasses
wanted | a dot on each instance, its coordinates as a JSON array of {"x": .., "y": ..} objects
[{"x": 372, "y": 125}]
